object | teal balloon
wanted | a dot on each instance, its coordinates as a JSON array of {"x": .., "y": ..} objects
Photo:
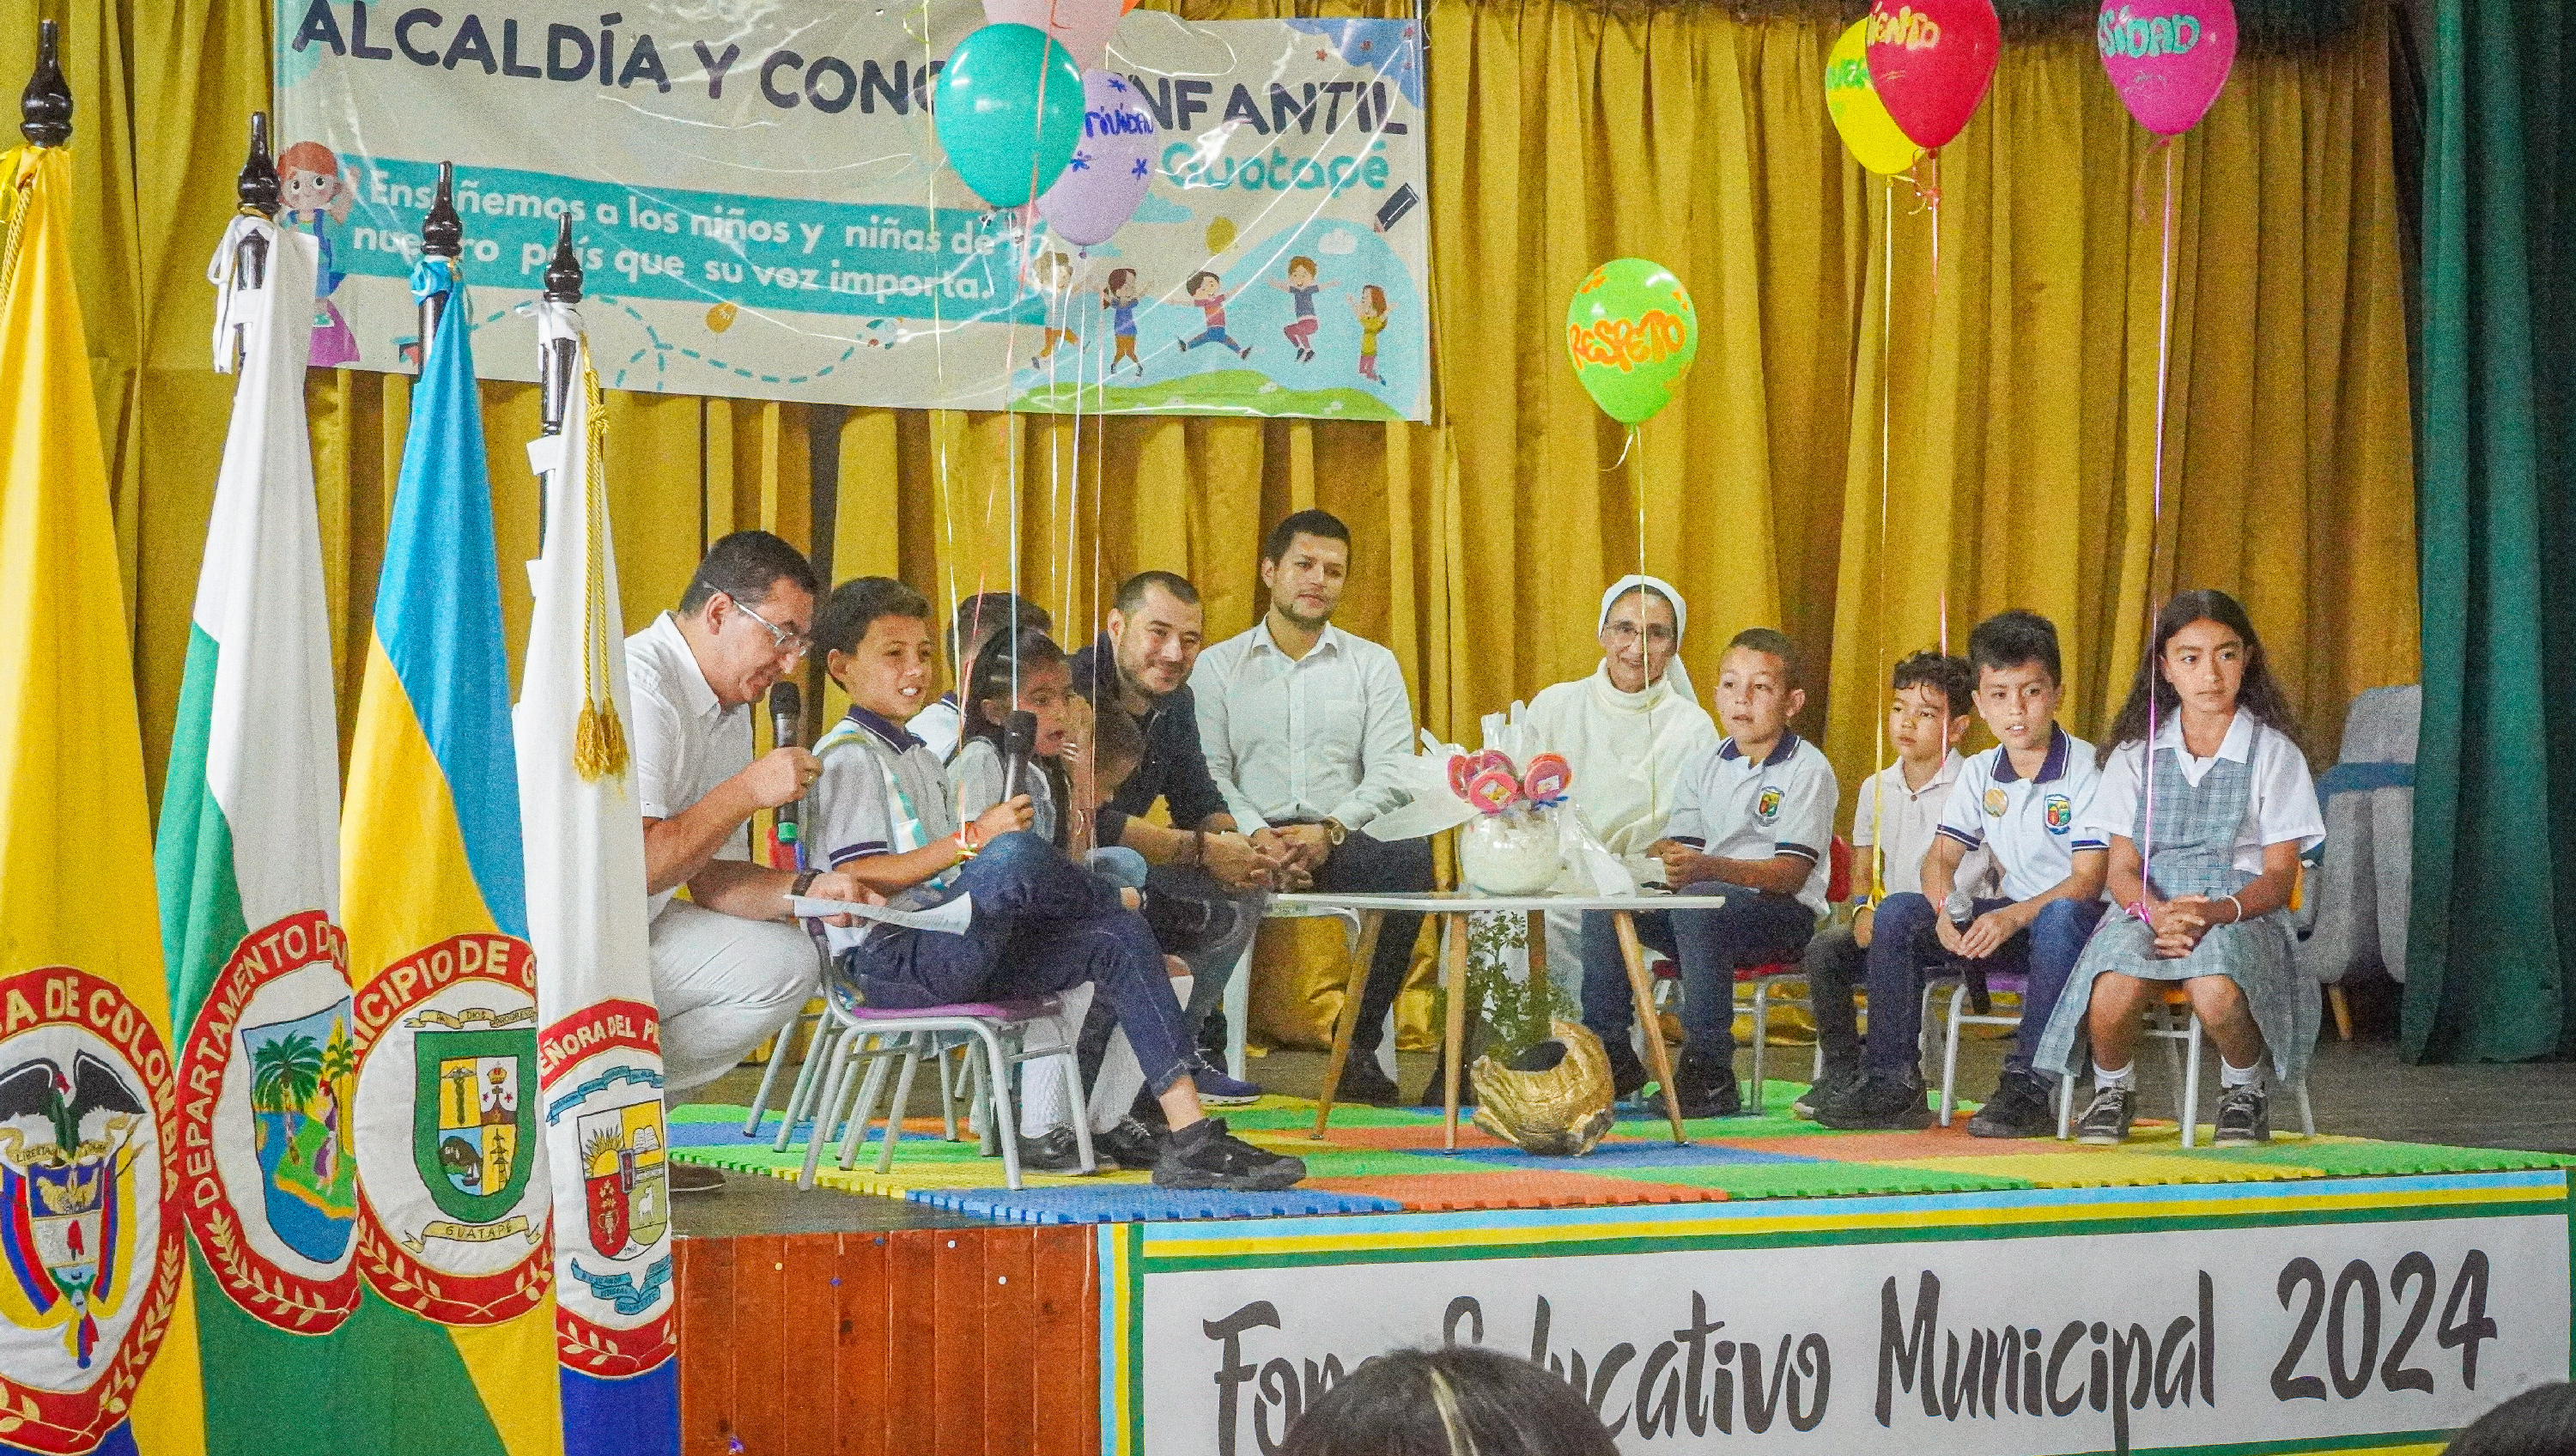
[{"x": 1008, "y": 111}]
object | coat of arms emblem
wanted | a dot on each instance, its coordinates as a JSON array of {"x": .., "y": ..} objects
[{"x": 64, "y": 1222}]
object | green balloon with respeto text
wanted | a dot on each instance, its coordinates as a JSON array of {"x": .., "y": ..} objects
[
  {"x": 1631, "y": 334},
  {"x": 1008, "y": 112}
]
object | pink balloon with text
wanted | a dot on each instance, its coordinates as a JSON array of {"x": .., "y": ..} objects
[{"x": 2168, "y": 59}]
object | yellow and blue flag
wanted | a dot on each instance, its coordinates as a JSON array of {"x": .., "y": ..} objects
[
  {"x": 98, "y": 1335},
  {"x": 454, "y": 1235}
]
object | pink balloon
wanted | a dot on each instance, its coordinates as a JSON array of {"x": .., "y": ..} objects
[
  {"x": 1931, "y": 61},
  {"x": 1112, "y": 165},
  {"x": 2167, "y": 58},
  {"x": 1080, "y": 26}
]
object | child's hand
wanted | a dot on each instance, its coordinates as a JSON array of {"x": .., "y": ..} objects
[
  {"x": 1132, "y": 898},
  {"x": 1952, "y": 938},
  {"x": 2179, "y": 924},
  {"x": 1987, "y": 933},
  {"x": 1678, "y": 860},
  {"x": 1008, "y": 816}
]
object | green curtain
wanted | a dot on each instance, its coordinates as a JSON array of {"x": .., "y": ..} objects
[{"x": 2493, "y": 936}]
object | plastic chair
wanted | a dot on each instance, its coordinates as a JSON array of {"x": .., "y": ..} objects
[
  {"x": 907, "y": 1034},
  {"x": 779, "y": 1046},
  {"x": 2181, "y": 1035},
  {"x": 1762, "y": 978},
  {"x": 2017, "y": 985}
]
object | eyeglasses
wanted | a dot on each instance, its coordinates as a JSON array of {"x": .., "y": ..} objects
[{"x": 789, "y": 644}]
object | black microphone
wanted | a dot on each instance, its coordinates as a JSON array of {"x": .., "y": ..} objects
[
  {"x": 1019, "y": 741},
  {"x": 786, "y": 724}
]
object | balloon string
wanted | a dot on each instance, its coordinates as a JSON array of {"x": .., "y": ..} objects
[
  {"x": 2155, "y": 529},
  {"x": 2138, "y": 176},
  {"x": 1629, "y": 444},
  {"x": 1886, "y": 378}
]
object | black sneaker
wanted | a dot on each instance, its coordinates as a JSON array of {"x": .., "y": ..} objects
[
  {"x": 1831, "y": 1083},
  {"x": 2105, "y": 1123},
  {"x": 1628, "y": 1075},
  {"x": 1205, "y": 1155},
  {"x": 1434, "y": 1094},
  {"x": 1054, "y": 1153},
  {"x": 1131, "y": 1144},
  {"x": 2244, "y": 1118},
  {"x": 2020, "y": 1108},
  {"x": 1878, "y": 1102},
  {"x": 1705, "y": 1087},
  {"x": 1363, "y": 1083}
]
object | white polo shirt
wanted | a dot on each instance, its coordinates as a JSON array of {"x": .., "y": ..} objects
[
  {"x": 1735, "y": 807},
  {"x": 1307, "y": 738},
  {"x": 685, "y": 742},
  {"x": 2284, "y": 806},
  {"x": 2034, "y": 825},
  {"x": 1912, "y": 815}
]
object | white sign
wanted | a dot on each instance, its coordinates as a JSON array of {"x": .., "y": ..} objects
[
  {"x": 2022, "y": 1323},
  {"x": 762, "y": 207}
]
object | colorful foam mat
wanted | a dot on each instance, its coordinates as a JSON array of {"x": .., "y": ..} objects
[{"x": 1374, "y": 1159}]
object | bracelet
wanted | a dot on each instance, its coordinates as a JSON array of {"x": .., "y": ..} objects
[
  {"x": 803, "y": 882},
  {"x": 968, "y": 846},
  {"x": 1198, "y": 849},
  {"x": 2138, "y": 910},
  {"x": 2240, "y": 910}
]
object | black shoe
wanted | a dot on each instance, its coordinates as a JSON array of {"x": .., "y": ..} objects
[
  {"x": 1831, "y": 1083},
  {"x": 1705, "y": 1087},
  {"x": 1212, "y": 1036},
  {"x": 1131, "y": 1144},
  {"x": 1205, "y": 1155},
  {"x": 1363, "y": 1083},
  {"x": 2020, "y": 1108},
  {"x": 1147, "y": 1112},
  {"x": 1878, "y": 1102},
  {"x": 2244, "y": 1119},
  {"x": 1628, "y": 1076},
  {"x": 1434, "y": 1094},
  {"x": 1054, "y": 1153},
  {"x": 2105, "y": 1123}
]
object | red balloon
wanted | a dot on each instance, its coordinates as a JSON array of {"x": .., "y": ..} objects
[{"x": 1931, "y": 61}]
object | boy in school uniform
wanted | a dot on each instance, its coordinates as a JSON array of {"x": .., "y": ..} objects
[
  {"x": 2026, "y": 801},
  {"x": 1753, "y": 820},
  {"x": 1934, "y": 700},
  {"x": 1040, "y": 923}
]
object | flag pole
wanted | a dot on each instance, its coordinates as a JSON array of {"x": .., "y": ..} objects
[
  {"x": 45, "y": 107},
  {"x": 558, "y": 359},
  {"x": 257, "y": 187},
  {"x": 442, "y": 235}
]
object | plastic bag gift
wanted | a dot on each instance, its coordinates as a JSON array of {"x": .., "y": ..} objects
[
  {"x": 1522, "y": 836},
  {"x": 1551, "y": 1098}
]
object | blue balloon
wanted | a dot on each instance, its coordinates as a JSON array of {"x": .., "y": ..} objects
[{"x": 1008, "y": 111}]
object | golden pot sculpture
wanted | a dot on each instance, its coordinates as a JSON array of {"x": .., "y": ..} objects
[{"x": 1552, "y": 1098}]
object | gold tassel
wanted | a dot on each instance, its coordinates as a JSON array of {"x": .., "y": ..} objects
[{"x": 598, "y": 743}]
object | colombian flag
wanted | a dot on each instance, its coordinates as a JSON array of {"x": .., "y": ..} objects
[
  {"x": 454, "y": 1236},
  {"x": 98, "y": 1338}
]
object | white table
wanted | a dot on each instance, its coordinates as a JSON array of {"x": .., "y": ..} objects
[{"x": 1457, "y": 905}]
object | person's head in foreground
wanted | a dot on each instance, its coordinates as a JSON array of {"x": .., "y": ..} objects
[
  {"x": 2539, "y": 1422},
  {"x": 1460, "y": 1401}
]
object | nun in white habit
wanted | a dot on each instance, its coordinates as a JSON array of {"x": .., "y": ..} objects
[{"x": 1627, "y": 730}]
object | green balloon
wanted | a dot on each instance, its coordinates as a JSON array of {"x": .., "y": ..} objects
[
  {"x": 1632, "y": 333},
  {"x": 1008, "y": 111}
]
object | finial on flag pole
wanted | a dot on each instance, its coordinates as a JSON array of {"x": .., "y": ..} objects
[
  {"x": 558, "y": 353},
  {"x": 257, "y": 187},
  {"x": 45, "y": 107},
  {"x": 563, "y": 270},
  {"x": 442, "y": 235}
]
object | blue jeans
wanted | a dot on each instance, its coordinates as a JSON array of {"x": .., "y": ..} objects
[
  {"x": 1905, "y": 951},
  {"x": 1042, "y": 924},
  {"x": 1750, "y": 929}
]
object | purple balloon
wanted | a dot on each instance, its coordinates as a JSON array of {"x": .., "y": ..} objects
[
  {"x": 1112, "y": 164},
  {"x": 2167, "y": 58}
]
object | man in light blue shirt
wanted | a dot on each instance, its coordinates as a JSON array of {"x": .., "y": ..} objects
[{"x": 1301, "y": 722}]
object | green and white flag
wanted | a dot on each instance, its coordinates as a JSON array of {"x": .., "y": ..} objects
[
  {"x": 599, "y": 1050},
  {"x": 248, "y": 865}
]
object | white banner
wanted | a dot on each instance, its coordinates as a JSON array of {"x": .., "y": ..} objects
[
  {"x": 2239, "y": 1317},
  {"x": 763, "y": 210}
]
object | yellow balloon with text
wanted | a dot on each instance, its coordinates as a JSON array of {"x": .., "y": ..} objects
[{"x": 1858, "y": 114}]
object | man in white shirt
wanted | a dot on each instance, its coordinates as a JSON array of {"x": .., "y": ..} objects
[
  {"x": 978, "y": 620},
  {"x": 730, "y": 966},
  {"x": 1300, "y": 722}
]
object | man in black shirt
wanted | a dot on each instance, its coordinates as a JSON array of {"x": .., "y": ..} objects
[{"x": 1141, "y": 666}]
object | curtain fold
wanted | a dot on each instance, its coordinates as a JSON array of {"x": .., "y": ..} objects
[
  {"x": 2489, "y": 945},
  {"x": 2019, "y": 393}
]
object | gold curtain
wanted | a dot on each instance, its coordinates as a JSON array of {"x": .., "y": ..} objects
[{"x": 2020, "y": 413}]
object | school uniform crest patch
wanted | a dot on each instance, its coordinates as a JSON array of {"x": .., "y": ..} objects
[
  {"x": 2060, "y": 813},
  {"x": 1995, "y": 803},
  {"x": 1767, "y": 807}
]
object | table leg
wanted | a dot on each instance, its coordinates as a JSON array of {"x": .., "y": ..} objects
[
  {"x": 1347, "y": 1024},
  {"x": 1538, "y": 955},
  {"x": 1453, "y": 1038},
  {"x": 1642, "y": 987}
]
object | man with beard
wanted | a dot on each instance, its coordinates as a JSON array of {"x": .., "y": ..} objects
[
  {"x": 1205, "y": 880},
  {"x": 1300, "y": 722}
]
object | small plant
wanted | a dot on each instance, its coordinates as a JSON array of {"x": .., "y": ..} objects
[{"x": 1515, "y": 1015}]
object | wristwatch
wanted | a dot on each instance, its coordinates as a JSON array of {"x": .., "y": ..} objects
[{"x": 1334, "y": 833}]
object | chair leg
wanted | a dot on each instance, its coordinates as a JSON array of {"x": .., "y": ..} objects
[
  {"x": 780, "y": 1045},
  {"x": 2191, "y": 1085},
  {"x": 902, "y": 1103},
  {"x": 1923, "y": 1026},
  {"x": 838, "y": 1083},
  {"x": 948, "y": 1093},
  {"x": 1761, "y": 1037},
  {"x": 998, "y": 1108},
  {"x": 2342, "y": 1011},
  {"x": 819, "y": 1051},
  {"x": 2307, "y": 1114},
  {"x": 1077, "y": 1107},
  {"x": 854, "y": 1132},
  {"x": 1238, "y": 1010},
  {"x": 1950, "y": 1054},
  {"x": 2066, "y": 1107}
]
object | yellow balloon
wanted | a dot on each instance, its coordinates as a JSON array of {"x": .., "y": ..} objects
[{"x": 1858, "y": 114}]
